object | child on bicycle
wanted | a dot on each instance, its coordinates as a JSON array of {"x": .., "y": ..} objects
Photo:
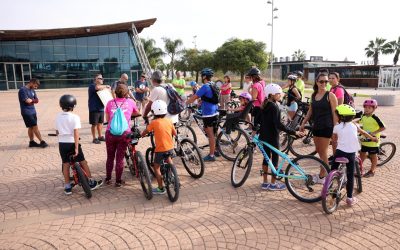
[
  {"x": 244, "y": 99},
  {"x": 67, "y": 129},
  {"x": 164, "y": 131},
  {"x": 270, "y": 126},
  {"x": 373, "y": 125},
  {"x": 346, "y": 135}
]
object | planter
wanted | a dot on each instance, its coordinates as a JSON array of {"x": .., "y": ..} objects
[{"x": 385, "y": 100}]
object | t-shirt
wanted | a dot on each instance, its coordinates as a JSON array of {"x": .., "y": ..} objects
[
  {"x": 141, "y": 85},
  {"x": 260, "y": 96},
  {"x": 339, "y": 92},
  {"x": 246, "y": 86},
  {"x": 95, "y": 104},
  {"x": 300, "y": 86},
  {"x": 207, "y": 109},
  {"x": 66, "y": 122},
  {"x": 182, "y": 83},
  {"x": 328, "y": 87},
  {"x": 163, "y": 129},
  {"x": 23, "y": 94},
  {"x": 225, "y": 92},
  {"x": 159, "y": 93},
  {"x": 371, "y": 124},
  {"x": 347, "y": 137},
  {"x": 126, "y": 104}
]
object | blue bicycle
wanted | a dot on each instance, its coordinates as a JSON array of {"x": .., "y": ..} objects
[{"x": 302, "y": 174}]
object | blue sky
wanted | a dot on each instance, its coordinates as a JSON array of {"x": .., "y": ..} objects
[{"x": 333, "y": 29}]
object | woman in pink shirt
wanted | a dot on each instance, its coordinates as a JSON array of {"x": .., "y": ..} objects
[
  {"x": 226, "y": 89},
  {"x": 116, "y": 145},
  {"x": 257, "y": 93},
  {"x": 336, "y": 88}
]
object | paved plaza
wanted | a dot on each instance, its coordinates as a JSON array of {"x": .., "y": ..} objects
[{"x": 210, "y": 213}]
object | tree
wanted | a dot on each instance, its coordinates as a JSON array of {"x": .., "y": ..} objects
[
  {"x": 240, "y": 55},
  {"x": 377, "y": 47},
  {"x": 194, "y": 60},
  {"x": 153, "y": 53},
  {"x": 172, "y": 49},
  {"x": 395, "y": 46},
  {"x": 299, "y": 55}
]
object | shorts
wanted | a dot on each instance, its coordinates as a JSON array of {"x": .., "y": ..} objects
[
  {"x": 96, "y": 117},
  {"x": 210, "y": 121},
  {"x": 325, "y": 132},
  {"x": 68, "y": 148},
  {"x": 293, "y": 107},
  {"x": 370, "y": 150},
  {"x": 159, "y": 156},
  {"x": 30, "y": 120}
]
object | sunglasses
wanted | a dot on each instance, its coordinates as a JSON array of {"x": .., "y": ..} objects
[
  {"x": 100, "y": 78},
  {"x": 323, "y": 81}
]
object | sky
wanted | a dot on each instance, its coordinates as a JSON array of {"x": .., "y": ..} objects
[{"x": 333, "y": 29}]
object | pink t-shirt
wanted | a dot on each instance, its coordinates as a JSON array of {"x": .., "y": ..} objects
[
  {"x": 260, "y": 96},
  {"x": 128, "y": 106},
  {"x": 338, "y": 91},
  {"x": 225, "y": 92}
]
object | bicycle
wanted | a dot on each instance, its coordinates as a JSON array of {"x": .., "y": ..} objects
[
  {"x": 299, "y": 174},
  {"x": 80, "y": 177},
  {"x": 386, "y": 151},
  {"x": 170, "y": 178},
  {"x": 136, "y": 163},
  {"x": 332, "y": 191}
]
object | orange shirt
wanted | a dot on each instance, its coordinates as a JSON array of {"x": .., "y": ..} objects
[{"x": 163, "y": 129}]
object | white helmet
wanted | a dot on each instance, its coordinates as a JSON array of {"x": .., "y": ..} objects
[
  {"x": 159, "y": 107},
  {"x": 272, "y": 89}
]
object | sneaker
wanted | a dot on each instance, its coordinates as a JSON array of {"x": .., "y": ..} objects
[
  {"x": 108, "y": 181},
  {"x": 43, "y": 144},
  {"x": 96, "y": 141},
  {"x": 265, "y": 185},
  {"x": 101, "y": 138},
  {"x": 68, "y": 190},
  {"x": 217, "y": 154},
  {"x": 369, "y": 174},
  {"x": 318, "y": 180},
  {"x": 351, "y": 201},
  {"x": 277, "y": 187},
  {"x": 95, "y": 184},
  {"x": 119, "y": 183},
  {"x": 33, "y": 144},
  {"x": 158, "y": 190},
  {"x": 209, "y": 158}
]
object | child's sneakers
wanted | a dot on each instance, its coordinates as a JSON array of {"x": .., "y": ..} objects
[
  {"x": 68, "y": 189},
  {"x": 158, "y": 190},
  {"x": 265, "y": 185},
  {"x": 351, "y": 201},
  {"x": 318, "y": 180},
  {"x": 95, "y": 184},
  {"x": 369, "y": 174},
  {"x": 209, "y": 158},
  {"x": 277, "y": 186}
]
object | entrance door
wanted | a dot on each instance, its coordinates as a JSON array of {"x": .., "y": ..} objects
[
  {"x": 17, "y": 74},
  {"x": 134, "y": 76}
]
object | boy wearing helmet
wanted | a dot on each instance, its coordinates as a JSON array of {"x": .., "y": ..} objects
[
  {"x": 300, "y": 83},
  {"x": 164, "y": 131},
  {"x": 67, "y": 130},
  {"x": 345, "y": 134},
  {"x": 373, "y": 125}
]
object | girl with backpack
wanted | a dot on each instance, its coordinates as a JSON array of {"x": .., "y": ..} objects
[{"x": 340, "y": 92}]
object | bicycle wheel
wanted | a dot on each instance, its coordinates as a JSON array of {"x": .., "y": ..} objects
[
  {"x": 241, "y": 166},
  {"x": 129, "y": 161},
  {"x": 191, "y": 158},
  {"x": 332, "y": 193},
  {"x": 386, "y": 152},
  {"x": 306, "y": 186},
  {"x": 144, "y": 176},
  {"x": 284, "y": 141},
  {"x": 83, "y": 180},
  {"x": 358, "y": 176},
  {"x": 172, "y": 183},
  {"x": 228, "y": 145},
  {"x": 184, "y": 115},
  {"x": 303, "y": 146},
  {"x": 149, "y": 160},
  {"x": 186, "y": 132}
]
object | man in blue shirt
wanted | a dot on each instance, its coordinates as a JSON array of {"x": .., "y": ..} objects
[
  {"x": 27, "y": 100},
  {"x": 141, "y": 90},
  {"x": 209, "y": 110},
  {"x": 96, "y": 108}
]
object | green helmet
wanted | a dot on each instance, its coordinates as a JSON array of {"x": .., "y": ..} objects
[{"x": 345, "y": 110}]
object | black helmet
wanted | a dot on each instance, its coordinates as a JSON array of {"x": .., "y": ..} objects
[
  {"x": 254, "y": 72},
  {"x": 207, "y": 72},
  {"x": 67, "y": 101}
]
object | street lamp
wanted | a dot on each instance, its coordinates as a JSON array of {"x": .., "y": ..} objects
[
  {"x": 194, "y": 41},
  {"x": 273, "y": 16}
]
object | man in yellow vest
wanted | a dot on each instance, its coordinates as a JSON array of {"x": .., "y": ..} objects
[{"x": 179, "y": 84}]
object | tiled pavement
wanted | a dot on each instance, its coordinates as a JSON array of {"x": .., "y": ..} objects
[{"x": 210, "y": 213}]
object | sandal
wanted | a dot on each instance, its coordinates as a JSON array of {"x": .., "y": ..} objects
[
  {"x": 369, "y": 174},
  {"x": 107, "y": 181}
]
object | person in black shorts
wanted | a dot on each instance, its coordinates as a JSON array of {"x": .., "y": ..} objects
[{"x": 27, "y": 100}]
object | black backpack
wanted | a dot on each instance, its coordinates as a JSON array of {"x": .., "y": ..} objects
[
  {"x": 348, "y": 99},
  {"x": 176, "y": 104},
  {"x": 215, "y": 95}
]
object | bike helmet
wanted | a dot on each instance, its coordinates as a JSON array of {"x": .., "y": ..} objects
[
  {"x": 292, "y": 77},
  {"x": 192, "y": 83},
  {"x": 159, "y": 107},
  {"x": 272, "y": 89},
  {"x": 157, "y": 75},
  {"x": 207, "y": 72},
  {"x": 299, "y": 73},
  {"x": 345, "y": 110},
  {"x": 67, "y": 102},
  {"x": 254, "y": 72},
  {"x": 245, "y": 95},
  {"x": 370, "y": 103}
]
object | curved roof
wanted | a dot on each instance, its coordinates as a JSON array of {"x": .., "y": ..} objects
[{"x": 18, "y": 35}]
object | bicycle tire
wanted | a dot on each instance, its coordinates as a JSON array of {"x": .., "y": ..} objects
[
  {"x": 382, "y": 153},
  {"x": 358, "y": 176},
  {"x": 129, "y": 161},
  {"x": 184, "y": 115},
  {"x": 197, "y": 158},
  {"x": 303, "y": 146},
  {"x": 311, "y": 167},
  {"x": 190, "y": 134},
  {"x": 150, "y": 160},
  {"x": 144, "y": 176},
  {"x": 232, "y": 144},
  {"x": 83, "y": 180},
  {"x": 284, "y": 140},
  {"x": 331, "y": 192},
  {"x": 172, "y": 179},
  {"x": 246, "y": 166}
]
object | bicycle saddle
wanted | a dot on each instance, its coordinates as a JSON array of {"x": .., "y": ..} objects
[{"x": 342, "y": 160}]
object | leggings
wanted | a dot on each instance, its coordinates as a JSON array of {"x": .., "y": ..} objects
[
  {"x": 272, "y": 155},
  {"x": 349, "y": 169},
  {"x": 116, "y": 147}
]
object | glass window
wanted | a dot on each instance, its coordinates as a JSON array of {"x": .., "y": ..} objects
[
  {"x": 70, "y": 42},
  {"x": 47, "y": 54},
  {"x": 113, "y": 39},
  {"x": 93, "y": 41},
  {"x": 103, "y": 40},
  {"x": 114, "y": 52},
  {"x": 59, "y": 57},
  {"x": 8, "y": 50},
  {"x": 22, "y": 49},
  {"x": 124, "y": 54},
  {"x": 104, "y": 54},
  {"x": 132, "y": 56},
  {"x": 1, "y": 51},
  {"x": 34, "y": 43},
  {"x": 59, "y": 50},
  {"x": 58, "y": 42},
  {"x": 2, "y": 73},
  {"x": 93, "y": 50},
  {"x": 82, "y": 53},
  {"x": 46, "y": 42},
  {"x": 35, "y": 53},
  {"x": 70, "y": 53},
  {"x": 82, "y": 41},
  {"x": 124, "y": 40},
  {"x": 21, "y": 42}
]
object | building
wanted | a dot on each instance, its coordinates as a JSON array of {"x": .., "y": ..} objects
[{"x": 69, "y": 57}]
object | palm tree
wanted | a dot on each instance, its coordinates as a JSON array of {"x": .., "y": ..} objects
[
  {"x": 396, "y": 50},
  {"x": 173, "y": 48},
  {"x": 377, "y": 47},
  {"x": 153, "y": 53},
  {"x": 299, "y": 55}
]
